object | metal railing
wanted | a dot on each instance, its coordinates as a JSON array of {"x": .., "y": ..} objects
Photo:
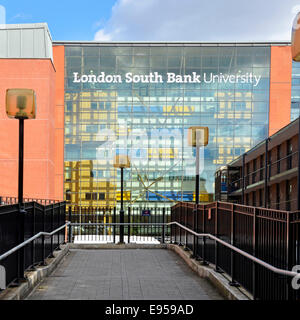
[
  {"x": 256, "y": 247},
  {"x": 270, "y": 236},
  {"x": 148, "y": 233},
  {"x": 28, "y": 235},
  {"x": 181, "y": 236},
  {"x": 278, "y": 166},
  {"x": 4, "y": 201},
  {"x": 241, "y": 252},
  {"x": 90, "y": 224}
]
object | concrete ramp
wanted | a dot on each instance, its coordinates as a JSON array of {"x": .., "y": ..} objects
[{"x": 136, "y": 274}]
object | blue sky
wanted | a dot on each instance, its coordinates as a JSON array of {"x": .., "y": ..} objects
[
  {"x": 67, "y": 19},
  {"x": 158, "y": 20}
]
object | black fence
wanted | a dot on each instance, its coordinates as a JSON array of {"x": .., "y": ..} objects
[
  {"x": 17, "y": 226},
  {"x": 270, "y": 235},
  {"x": 95, "y": 224},
  {"x": 4, "y": 201}
]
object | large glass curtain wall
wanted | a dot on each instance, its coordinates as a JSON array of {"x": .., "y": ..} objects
[{"x": 149, "y": 121}]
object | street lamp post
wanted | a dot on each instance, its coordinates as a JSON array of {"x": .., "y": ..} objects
[
  {"x": 21, "y": 105},
  {"x": 121, "y": 162},
  {"x": 197, "y": 137}
]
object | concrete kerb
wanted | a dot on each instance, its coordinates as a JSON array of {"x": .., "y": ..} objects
[
  {"x": 220, "y": 282},
  {"x": 35, "y": 277}
]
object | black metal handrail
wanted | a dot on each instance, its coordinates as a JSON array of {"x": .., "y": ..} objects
[
  {"x": 25, "y": 240},
  {"x": 239, "y": 251},
  {"x": 271, "y": 236},
  {"x": 38, "y": 235}
]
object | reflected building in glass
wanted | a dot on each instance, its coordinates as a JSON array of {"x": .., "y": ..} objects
[{"x": 140, "y": 99}]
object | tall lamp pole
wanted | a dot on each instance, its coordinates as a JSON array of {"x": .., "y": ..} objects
[
  {"x": 121, "y": 162},
  {"x": 197, "y": 137},
  {"x": 21, "y": 161},
  {"x": 21, "y": 105}
]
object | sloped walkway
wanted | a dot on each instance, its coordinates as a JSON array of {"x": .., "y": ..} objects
[{"x": 133, "y": 274}]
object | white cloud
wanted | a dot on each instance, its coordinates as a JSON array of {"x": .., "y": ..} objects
[
  {"x": 21, "y": 15},
  {"x": 199, "y": 20},
  {"x": 101, "y": 36}
]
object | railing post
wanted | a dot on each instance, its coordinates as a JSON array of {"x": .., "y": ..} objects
[
  {"x": 21, "y": 238},
  {"x": 114, "y": 226},
  {"x": 163, "y": 226},
  {"x": 63, "y": 218},
  {"x": 195, "y": 238},
  {"x": 129, "y": 218},
  {"x": 204, "y": 262},
  {"x": 52, "y": 228},
  {"x": 43, "y": 237},
  {"x": 180, "y": 220},
  {"x": 254, "y": 253},
  {"x": 175, "y": 226},
  {"x": 266, "y": 173},
  {"x": 288, "y": 255},
  {"x": 298, "y": 180},
  {"x": 58, "y": 233},
  {"x": 171, "y": 229},
  {"x": 217, "y": 269},
  {"x": 232, "y": 242},
  {"x": 243, "y": 179},
  {"x": 33, "y": 233},
  {"x": 186, "y": 233},
  {"x": 70, "y": 225}
]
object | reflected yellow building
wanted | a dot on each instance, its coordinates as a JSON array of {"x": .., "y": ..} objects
[
  {"x": 84, "y": 188},
  {"x": 91, "y": 181}
]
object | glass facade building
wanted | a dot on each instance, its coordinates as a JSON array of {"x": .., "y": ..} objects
[
  {"x": 295, "y": 103},
  {"x": 141, "y": 99}
]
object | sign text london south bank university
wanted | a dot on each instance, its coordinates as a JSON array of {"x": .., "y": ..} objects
[{"x": 155, "y": 77}]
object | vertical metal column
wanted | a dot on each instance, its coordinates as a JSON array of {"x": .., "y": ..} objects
[
  {"x": 114, "y": 226},
  {"x": 52, "y": 228},
  {"x": 216, "y": 243},
  {"x": 33, "y": 233},
  {"x": 70, "y": 225},
  {"x": 243, "y": 178},
  {"x": 163, "y": 226},
  {"x": 195, "y": 210},
  {"x": 43, "y": 238},
  {"x": 204, "y": 262},
  {"x": 232, "y": 242},
  {"x": 197, "y": 174},
  {"x": 254, "y": 253},
  {"x": 298, "y": 180},
  {"x": 129, "y": 218},
  {"x": 121, "y": 211},
  {"x": 288, "y": 255},
  {"x": 266, "y": 174},
  {"x": 21, "y": 161},
  {"x": 21, "y": 217}
]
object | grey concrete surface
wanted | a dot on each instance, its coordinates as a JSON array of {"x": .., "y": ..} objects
[{"x": 137, "y": 274}]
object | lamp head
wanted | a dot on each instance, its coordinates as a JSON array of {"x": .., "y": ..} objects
[
  {"x": 198, "y": 136},
  {"x": 20, "y": 103},
  {"x": 121, "y": 161}
]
